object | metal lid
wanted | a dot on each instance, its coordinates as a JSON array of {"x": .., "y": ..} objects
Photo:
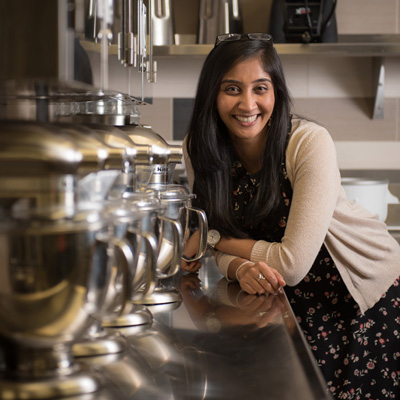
[{"x": 363, "y": 181}]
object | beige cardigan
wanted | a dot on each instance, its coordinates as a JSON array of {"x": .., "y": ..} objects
[{"x": 367, "y": 257}]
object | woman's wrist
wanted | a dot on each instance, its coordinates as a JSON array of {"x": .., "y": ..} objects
[{"x": 240, "y": 267}]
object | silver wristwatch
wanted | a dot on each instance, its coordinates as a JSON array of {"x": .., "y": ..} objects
[{"x": 213, "y": 237}]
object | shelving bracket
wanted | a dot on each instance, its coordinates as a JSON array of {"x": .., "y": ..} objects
[{"x": 379, "y": 84}]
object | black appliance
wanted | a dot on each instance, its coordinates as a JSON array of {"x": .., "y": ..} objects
[{"x": 303, "y": 21}]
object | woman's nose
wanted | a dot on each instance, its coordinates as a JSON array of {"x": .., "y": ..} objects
[{"x": 247, "y": 101}]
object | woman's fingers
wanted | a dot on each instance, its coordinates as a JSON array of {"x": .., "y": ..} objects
[
  {"x": 247, "y": 287},
  {"x": 279, "y": 277},
  {"x": 192, "y": 245},
  {"x": 260, "y": 278},
  {"x": 192, "y": 266}
]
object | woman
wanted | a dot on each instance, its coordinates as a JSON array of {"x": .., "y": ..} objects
[{"x": 270, "y": 185}]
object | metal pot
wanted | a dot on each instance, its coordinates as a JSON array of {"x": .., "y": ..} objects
[{"x": 374, "y": 195}]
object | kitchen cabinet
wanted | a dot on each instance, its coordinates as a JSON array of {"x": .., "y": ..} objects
[{"x": 376, "y": 47}]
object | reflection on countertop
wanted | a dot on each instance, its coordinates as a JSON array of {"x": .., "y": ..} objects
[{"x": 221, "y": 343}]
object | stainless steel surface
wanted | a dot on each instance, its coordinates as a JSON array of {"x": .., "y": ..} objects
[
  {"x": 220, "y": 343},
  {"x": 168, "y": 155},
  {"x": 82, "y": 383},
  {"x": 59, "y": 276},
  {"x": 126, "y": 371},
  {"x": 178, "y": 203},
  {"x": 347, "y": 45},
  {"x": 217, "y": 343},
  {"x": 216, "y": 17},
  {"x": 54, "y": 277},
  {"x": 98, "y": 344},
  {"x": 152, "y": 222},
  {"x": 162, "y": 22},
  {"x": 132, "y": 227},
  {"x": 379, "y": 84},
  {"x": 175, "y": 234},
  {"x": 41, "y": 165},
  {"x": 134, "y": 315}
]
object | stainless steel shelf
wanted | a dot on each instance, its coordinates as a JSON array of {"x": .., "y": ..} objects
[{"x": 347, "y": 45}]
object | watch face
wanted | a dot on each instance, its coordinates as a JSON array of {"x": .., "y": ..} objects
[
  {"x": 213, "y": 237},
  {"x": 213, "y": 324}
]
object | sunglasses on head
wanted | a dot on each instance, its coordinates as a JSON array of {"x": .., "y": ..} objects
[{"x": 232, "y": 37}]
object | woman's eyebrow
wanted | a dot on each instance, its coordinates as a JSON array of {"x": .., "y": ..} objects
[{"x": 237, "y": 82}]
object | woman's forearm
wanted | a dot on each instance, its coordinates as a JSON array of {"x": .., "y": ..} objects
[{"x": 237, "y": 247}]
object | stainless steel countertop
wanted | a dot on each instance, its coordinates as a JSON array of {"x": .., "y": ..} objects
[{"x": 221, "y": 343}]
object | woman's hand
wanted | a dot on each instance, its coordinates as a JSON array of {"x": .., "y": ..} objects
[
  {"x": 262, "y": 310},
  {"x": 259, "y": 278},
  {"x": 190, "y": 250}
]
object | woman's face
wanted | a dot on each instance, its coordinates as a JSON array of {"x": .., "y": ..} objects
[{"x": 246, "y": 100}]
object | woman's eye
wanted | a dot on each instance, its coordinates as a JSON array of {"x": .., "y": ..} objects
[
  {"x": 261, "y": 89},
  {"x": 231, "y": 90}
]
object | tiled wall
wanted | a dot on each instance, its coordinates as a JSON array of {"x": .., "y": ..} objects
[{"x": 336, "y": 91}]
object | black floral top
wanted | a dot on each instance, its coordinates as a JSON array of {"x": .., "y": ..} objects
[{"x": 245, "y": 188}]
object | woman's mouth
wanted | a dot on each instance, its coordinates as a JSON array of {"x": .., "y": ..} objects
[{"x": 246, "y": 120}]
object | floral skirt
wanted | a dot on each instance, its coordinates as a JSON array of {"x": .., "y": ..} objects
[{"x": 359, "y": 355}]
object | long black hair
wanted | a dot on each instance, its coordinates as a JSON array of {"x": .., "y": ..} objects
[{"x": 211, "y": 151}]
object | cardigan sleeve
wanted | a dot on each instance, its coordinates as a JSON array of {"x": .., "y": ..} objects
[{"x": 314, "y": 175}]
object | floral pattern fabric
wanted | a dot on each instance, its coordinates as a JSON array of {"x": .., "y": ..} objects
[{"x": 359, "y": 355}]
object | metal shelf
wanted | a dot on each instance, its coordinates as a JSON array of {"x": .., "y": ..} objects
[{"x": 347, "y": 45}]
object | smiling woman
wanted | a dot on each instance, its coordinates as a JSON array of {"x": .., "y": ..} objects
[
  {"x": 245, "y": 104},
  {"x": 270, "y": 184}
]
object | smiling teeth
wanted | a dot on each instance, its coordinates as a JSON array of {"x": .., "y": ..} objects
[{"x": 247, "y": 119}]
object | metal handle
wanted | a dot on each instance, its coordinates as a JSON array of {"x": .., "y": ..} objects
[
  {"x": 152, "y": 65},
  {"x": 128, "y": 268},
  {"x": 151, "y": 263},
  {"x": 109, "y": 246},
  {"x": 127, "y": 52},
  {"x": 203, "y": 228},
  {"x": 177, "y": 248},
  {"x": 142, "y": 33}
]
